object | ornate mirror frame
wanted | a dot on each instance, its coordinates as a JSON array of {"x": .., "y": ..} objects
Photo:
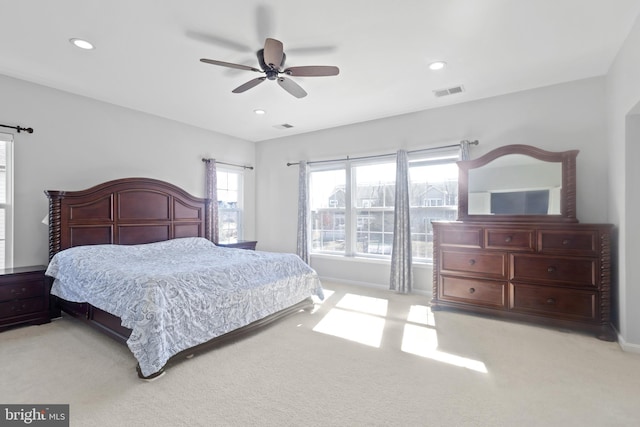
[{"x": 568, "y": 191}]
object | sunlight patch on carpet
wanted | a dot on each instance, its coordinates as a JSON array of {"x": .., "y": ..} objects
[
  {"x": 423, "y": 341},
  {"x": 356, "y": 318},
  {"x": 363, "y": 304},
  {"x": 421, "y": 314}
]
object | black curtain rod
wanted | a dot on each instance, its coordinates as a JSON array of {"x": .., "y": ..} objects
[
  {"x": 18, "y": 128},
  {"x": 476, "y": 142},
  {"x": 229, "y": 164}
]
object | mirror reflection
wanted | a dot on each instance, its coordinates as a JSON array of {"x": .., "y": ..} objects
[{"x": 515, "y": 184}]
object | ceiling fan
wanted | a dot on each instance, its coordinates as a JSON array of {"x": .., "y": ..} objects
[{"x": 271, "y": 59}]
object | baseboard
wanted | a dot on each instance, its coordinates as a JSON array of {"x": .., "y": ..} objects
[
  {"x": 628, "y": 347},
  {"x": 370, "y": 285}
]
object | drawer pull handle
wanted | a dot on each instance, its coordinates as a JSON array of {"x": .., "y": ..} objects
[
  {"x": 508, "y": 239},
  {"x": 472, "y": 261},
  {"x": 551, "y": 269},
  {"x": 551, "y": 301},
  {"x": 472, "y": 290},
  {"x": 566, "y": 242}
]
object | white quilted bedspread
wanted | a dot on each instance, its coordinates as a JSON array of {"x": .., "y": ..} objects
[{"x": 180, "y": 293}]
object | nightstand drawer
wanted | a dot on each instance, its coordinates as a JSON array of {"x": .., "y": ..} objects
[
  {"x": 21, "y": 306},
  {"x": 558, "y": 302},
  {"x": 565, "y": 270},
  {"x": 24, "y": 296},
  {"x": 26, "y": 289},
  {"x": 480, "y": 292}
]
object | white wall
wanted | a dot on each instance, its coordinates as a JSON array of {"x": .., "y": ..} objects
[
  {"x": 79, "y": 142},
  {"x": 557, "y": 118},
  {"x": 623, "y": 114}
]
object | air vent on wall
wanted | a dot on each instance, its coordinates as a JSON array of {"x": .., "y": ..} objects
[
  {"x": 283, "y": 126},
  {"x": 449, "y": 91}
]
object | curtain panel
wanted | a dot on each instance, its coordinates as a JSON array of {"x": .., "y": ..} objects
[
  {"x": 211, "y": 186},
  {"x": 401, "y": 271},
  {"x": 303, "y": 212}
]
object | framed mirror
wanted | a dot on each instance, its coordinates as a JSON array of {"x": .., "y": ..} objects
[{"x": 518, "y": 183}]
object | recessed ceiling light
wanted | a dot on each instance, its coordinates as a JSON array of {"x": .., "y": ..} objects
[
  {"x": 438, "y": 65},
  {"x": 259, "y": 111},
  {"x": 82, "y": 44}
]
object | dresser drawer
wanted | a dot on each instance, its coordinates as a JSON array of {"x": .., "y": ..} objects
[
  {"x": 486, "y": 263},
  {"x": 512, "y": 239},
  {"x": 574, "y": 242},
  {"x": 22, "y": 306},
  {"x": 26, "y": 289},
  {"x": 474, "y": 291},
  {"x": 470, "y": 237},
  {"x": 565, "y": 270},
  {"x": 572, "y": 304}
]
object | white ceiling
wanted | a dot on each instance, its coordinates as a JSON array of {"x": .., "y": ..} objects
[{"x": 147, "y": 54}]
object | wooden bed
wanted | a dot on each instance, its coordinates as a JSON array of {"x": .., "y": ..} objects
[{"x": 133, "y": 211}]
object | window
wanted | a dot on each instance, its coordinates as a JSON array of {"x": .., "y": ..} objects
[
  {"x": 433, "y": 196},
  {"x": 6, "y": 200},
  {"x": 352, "y": 204},
  {"x": 229, "y": 205}
]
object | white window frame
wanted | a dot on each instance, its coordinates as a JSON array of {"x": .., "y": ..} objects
[
  {"x": 446, "y": 155},
  {"x": 7, "y": 205},
  {"x": 240, "y": 204}
]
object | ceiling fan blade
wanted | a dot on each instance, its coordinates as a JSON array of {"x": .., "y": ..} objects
[
  {"x": 248, "y": 85},
  {"x": 273, "y": 53},
  {"x": 312, "y": 71},
  {"x": 230, "y": 65},
  {"x": 292, "y": 87}
]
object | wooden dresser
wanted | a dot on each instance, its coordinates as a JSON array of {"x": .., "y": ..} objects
[{"x": 557, "y": 274}]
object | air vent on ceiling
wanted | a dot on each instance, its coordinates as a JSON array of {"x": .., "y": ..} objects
[
  {"x": 449, "y": 91},
  {"x": 283, "y": 126}
]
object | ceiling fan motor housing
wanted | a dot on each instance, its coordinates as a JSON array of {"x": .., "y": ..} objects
[{"x": 272, "y": 72}]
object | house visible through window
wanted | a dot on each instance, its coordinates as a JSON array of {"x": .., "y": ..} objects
[
  {"x": 229, "y": 205},
  {"x": 352, "y": 204},
  {"x": 6, "y": 202}
]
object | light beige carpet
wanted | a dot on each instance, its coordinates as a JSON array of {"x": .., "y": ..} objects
[{"x": 365, "y": 357}]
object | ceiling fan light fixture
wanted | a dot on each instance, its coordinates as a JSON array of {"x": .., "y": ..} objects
[
  {"x": 259, "y": 112},
  {"x": 437, "y": 65},
  {"x": 82, "y": 44}
]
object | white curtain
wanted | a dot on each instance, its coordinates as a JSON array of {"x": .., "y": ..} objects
[
  {"x": 464, "y": 149},
  {"x": 401, "y": 273},
  {"x": 303, "y": 212},
  {"x": 211, "y": 185}
]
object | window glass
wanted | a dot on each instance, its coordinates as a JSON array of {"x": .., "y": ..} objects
[
  {"x": 433, "y": 191},
  {"x": 327, "y": 203},
  {"x": 229, "y": 186},
  {"x": 6, "y": 208},
  {"x": 352, "y": 204},
  {"x": 374, "y": 202}
]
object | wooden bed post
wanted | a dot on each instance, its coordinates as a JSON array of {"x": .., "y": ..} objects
[{"x": 55, "y": 202}]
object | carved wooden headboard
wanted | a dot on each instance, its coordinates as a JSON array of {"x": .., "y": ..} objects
[{"x": 125, "y": 211}]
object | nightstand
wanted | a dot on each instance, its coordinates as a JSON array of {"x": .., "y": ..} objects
[
  {"x": 240, "y": 244},
  {"x": 24, "y": 296}
]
